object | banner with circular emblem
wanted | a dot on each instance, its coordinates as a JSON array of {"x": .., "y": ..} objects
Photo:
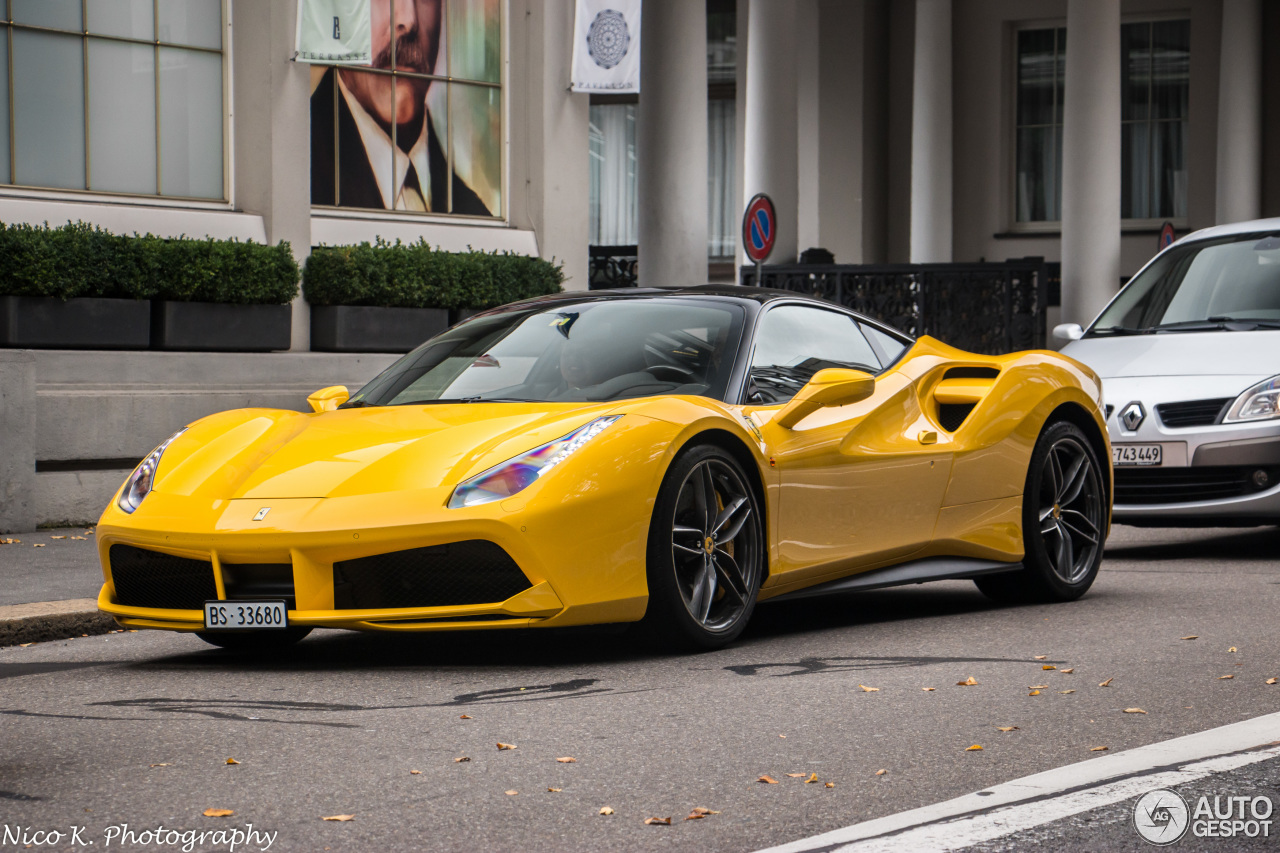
[{"x": 606, "y": 46}]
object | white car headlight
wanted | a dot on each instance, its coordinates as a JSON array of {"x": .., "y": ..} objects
[
  {"x": 1259, "y": 403},
  {"x": 139, "y": 484},
  {"x": 514, "y": 475}
]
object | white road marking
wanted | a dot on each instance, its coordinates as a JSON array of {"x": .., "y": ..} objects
[{"x": 1055, "y": 794}]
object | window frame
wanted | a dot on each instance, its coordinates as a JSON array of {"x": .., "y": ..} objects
[
  {"x": 13, "y": 189},
  {"x": 1053, "y": 227},
  {"x": 503, "y": 86}
]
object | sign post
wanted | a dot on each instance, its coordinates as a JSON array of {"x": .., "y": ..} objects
[{"x": 759, "y": 230}]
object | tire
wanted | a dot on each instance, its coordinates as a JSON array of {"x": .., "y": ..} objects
[
  {"x": 254, "y": 641},
  {"x": 705, "y": 566},
  {"x": 1063, "y": 522}
]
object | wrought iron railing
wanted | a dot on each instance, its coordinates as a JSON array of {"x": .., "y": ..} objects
[
  {"x": 611, "y": 266},
  {"x": 988, "y": 308}
]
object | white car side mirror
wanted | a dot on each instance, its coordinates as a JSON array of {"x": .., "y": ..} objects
[{"x": 1068, "y": 331}]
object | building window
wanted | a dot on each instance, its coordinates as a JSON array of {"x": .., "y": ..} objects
[
  {"x": 421, "y": 129},
  {"x": 1156, "y": 70},
  {"x": 613, "y": 149},
  {"x": 118, "y": 96},
  {"x": 1038, "y": 180}
]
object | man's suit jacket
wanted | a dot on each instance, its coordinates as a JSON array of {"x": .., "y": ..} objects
[{"x": 358, "y": 186}]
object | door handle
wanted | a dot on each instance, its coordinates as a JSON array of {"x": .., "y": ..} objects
[{"x": 928, "y": 436}]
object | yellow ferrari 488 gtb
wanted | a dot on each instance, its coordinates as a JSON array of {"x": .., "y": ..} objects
[{"x": 667, "y": 456}]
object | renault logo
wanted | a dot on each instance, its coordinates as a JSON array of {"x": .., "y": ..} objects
[
  {"x": 262, "y": 513},
  {"x": 1132, "y": 416}
]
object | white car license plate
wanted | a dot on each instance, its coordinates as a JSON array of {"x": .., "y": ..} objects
[
  {"x": 239, "y": 615},
  {"x": 1136, "y": 454}
]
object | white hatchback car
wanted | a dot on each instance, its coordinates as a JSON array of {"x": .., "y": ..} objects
[{"x": 1189, "y": 355}]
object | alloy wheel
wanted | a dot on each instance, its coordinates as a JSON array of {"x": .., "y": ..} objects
[{"x": 1070, "y": 509}]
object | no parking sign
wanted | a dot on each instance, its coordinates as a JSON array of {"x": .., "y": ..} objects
[{"x": 759, "y": 228}]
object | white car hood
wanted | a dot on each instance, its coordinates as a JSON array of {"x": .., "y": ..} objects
[{"x": 1246, "y": 354}]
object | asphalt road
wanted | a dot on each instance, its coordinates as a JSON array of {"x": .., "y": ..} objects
[{"x": 137, "y": 728}]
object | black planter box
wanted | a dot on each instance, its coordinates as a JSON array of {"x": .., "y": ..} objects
[
  {"x": 214, "y": 327},
  {"x": 39, "y": 322},
  {"x": 362, "y": 328}
]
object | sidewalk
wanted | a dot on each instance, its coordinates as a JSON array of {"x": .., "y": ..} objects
[{"x": 49, "y": 582}]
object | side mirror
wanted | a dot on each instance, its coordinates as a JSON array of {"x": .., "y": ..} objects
[
  {"x": 1068, "y": 331},
  {"x": 834, "y": 386},
  {"x": 328, "y": 399}
]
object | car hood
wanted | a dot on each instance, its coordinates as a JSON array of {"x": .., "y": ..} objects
[
  {"x": 1224, "y": 353},
  {"x": 267, "y": 453}
]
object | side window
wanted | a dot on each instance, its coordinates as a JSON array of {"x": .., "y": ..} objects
[
  {"x": 887, "y": 346},
  {"x": 793, "y": 342}
]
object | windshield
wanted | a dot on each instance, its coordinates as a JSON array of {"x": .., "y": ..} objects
[
  {"x": 583, "y": 351},
  {"x": 1226, "y": 283}
]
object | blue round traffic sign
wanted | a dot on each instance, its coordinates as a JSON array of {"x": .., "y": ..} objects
[{"x": 759, "y": 228}]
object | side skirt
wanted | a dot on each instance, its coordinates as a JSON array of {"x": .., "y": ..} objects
[{"x": 916, "y": 571}]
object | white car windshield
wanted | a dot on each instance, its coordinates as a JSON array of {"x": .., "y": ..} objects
[{"x": 1229, "y": 283}]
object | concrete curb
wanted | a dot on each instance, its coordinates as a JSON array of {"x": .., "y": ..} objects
[{"x": 52, "y": 620}]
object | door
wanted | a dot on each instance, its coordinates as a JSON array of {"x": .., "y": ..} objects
[{"x": 856, "y": 484}]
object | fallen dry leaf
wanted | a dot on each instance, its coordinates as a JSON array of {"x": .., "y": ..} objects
[
  {"x": 968, "y": 682},
  {"x": 502, "y": 746},
  {"x": 463, "y": 758},
  {"x": 701, "y": 812},
  {"x": 511, "y": 793},
  {"x": 568, "y": 759},
  {"x": 784, "y": 737},
  {"x": 166, "y": 764},
  {"x": 881, "y": 772},
  {"x": 415, "y": 772},
  {"x": 340, "y": 817},
  {"x": 1041, "y": 657},
  {"x": 928, "y": 689},
  {"x": 1048, "y": 666},
  {"x": 1223, "y": 677},
  {"x": 1192, "y": 637},
  {"x": 1107, "y": 683},
  {"x": 866, "y": 689},
  {"x": 1231, "y": 650},
  {"x": 1271, "y": 681},
  {"x": 10, "y": 541},
  {"x": 38, "y": 545},
  {"x": 1034, "y": 693},
  {"x": 813, "y": 777},
  {"x": 657, "y": 821},
  {"x": 974, "y": 748},
  {"x": 695, "y": 817},
  {"x": 25, "y": 645},
  {"x": 1068, "y": 671},
  {"x": 81, "y": 538},
  {"x": 796, "y": 775},
  {"x": 554, "y": 790},
  {"x": 1066, "y": 691},
  {"x": 1134, "y": 711},
  {"x": 1100, "y": 749},
  {"x": 1006, "y": 728},
  {"x": 232, "y": 761},
  {"x": 606, "y": 810},
  {"x": 768, "y": 780},
  {"x": 57, "y": 537},
  {"x": 464, "y": 717},
  {"x": 218, "y": 812},
  {"x": 1038, "y": 687},
  {"x": 829, "y": 785}
]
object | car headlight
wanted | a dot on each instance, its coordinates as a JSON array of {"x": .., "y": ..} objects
[
  {"x": 1259, "y": 403},
  {"x": 503, "y": 481},
  {"x": 139, "y": 484}
]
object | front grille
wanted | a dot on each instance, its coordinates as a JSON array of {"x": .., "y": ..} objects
[
  {"x": 145, "y": 578},
  {"x": 951, "y": 415},
  {"x": 471, "y": 572},
  {"x": 1145, "y": 486},
  {"x": 1192, "y": 413},
  {"x": 255, "y": 581}
]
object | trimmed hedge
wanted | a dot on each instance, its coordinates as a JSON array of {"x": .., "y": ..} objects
[
  {"x": 78, "y": 259},
  {"x": 398, "y": 275}
]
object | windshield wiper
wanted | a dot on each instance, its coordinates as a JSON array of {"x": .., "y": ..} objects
[
  {"x": 1119, "y": 330},
  {"x": 1217, "y": 323},
  {"x": 477, "y": 399},
  {"x": 355, "y": 404}
]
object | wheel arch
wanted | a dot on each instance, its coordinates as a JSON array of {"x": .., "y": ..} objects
[{"x": 1073, "y": 413}]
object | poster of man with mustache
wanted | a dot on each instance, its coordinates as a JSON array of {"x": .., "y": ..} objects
[{"x": 403, "y": 134}]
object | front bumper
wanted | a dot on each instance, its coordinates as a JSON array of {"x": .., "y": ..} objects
[
  {"x": 572, "y": 578},
  {"x": 1214, "y": 474}
]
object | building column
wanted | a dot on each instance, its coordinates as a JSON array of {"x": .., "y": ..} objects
[
  {"x": 1240, "y": 112},
  {"x": 273, "y": 114},
  {"x": 671, "y": 145},
  {"x": 1091, "y": 159},
  {"x": 770, "y": 143},
  {"x": 931, "y": 134}
]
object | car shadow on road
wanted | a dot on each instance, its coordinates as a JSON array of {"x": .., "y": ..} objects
[{"x": 1250, "y": 543}]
